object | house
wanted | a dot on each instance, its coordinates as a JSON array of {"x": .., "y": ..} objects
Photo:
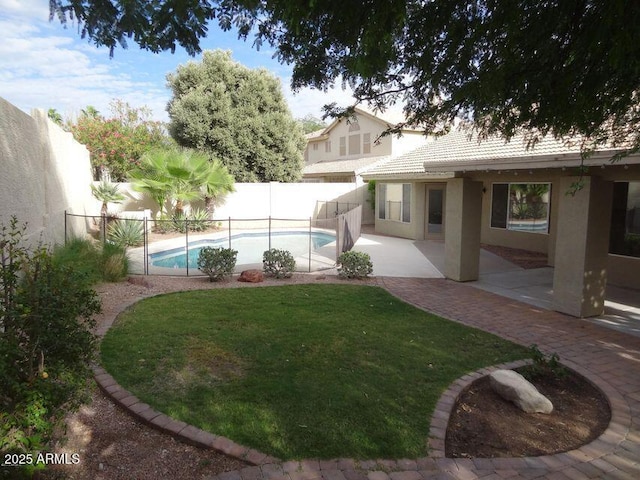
[
  {"x": 346, "y": 148},
  {"x": 465, "y": 192}
]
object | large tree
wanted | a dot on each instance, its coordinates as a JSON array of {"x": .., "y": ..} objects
[
  {"x": 565, "y": 66},
  {"x": 238, "y": 115},
  {"x": 117, "y": 143}
]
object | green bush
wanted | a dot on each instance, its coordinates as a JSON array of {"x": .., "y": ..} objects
[
  {"x": 198, "y": 220},
  {"x": 96, "y": 262},
  {"x": 278, "y": 263},
  {"x": 217, "y": 262},
  {"x": 354, "y": 265},
  {"x": 126, "y": 232},
  {"x": 46, "y": 341},
  {"x": 544, "y": 365}
]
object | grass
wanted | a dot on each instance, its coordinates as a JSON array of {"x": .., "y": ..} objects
[{"x": 301, "y": 371}]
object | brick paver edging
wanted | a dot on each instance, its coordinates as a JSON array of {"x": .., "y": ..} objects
[{"x": 178, "y": 429}]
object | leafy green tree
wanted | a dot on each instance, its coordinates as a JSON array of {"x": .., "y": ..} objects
[
  {"x": 182, "y": 176},
  {"x": 561, "y": 66},
  {"x": 238, "y": 115},
  {"x": 117, "y": 143},
  {"x": 309, "y": 123}
]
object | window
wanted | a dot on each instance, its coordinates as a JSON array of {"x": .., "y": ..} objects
[
  {"x": 366, "y": 143},
  {"x": 624, "y": 237},
  {"x": 327, "y": 146},
  {"x": 354, "y": 144},
  {"x": 522, "y": 207},
  {"x": 343, "y": 146},
  {"x": 394, "y": 202},
  {"x": 315, "y": 147}
]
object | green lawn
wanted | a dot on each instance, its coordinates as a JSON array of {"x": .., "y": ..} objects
[{"x": 299, "y": 371}]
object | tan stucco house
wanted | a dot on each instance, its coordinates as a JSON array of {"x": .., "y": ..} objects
[
  {"x": 465, "y": 192},
  {"x": 346, "y": 148}
]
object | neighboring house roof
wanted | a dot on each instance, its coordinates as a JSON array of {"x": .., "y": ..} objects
[
  {"x": 460, "y": 151},
  {"x": 331, "y": 167}
]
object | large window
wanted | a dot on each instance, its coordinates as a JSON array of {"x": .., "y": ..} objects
[
  {"x": 625, "y": 219},
  {"x": 521, "y": 206},
  {"x": 394, "y": 201}
]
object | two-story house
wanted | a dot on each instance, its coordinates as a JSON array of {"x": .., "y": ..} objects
[{"x": 341, "y": 152}]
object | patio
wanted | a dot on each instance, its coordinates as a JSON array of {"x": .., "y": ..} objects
[{"x": 399, "y": 257}]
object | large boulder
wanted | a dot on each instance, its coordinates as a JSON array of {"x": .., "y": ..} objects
[
  {"x": 515, "y": 388},
  {"x": 251, "y": 276}
]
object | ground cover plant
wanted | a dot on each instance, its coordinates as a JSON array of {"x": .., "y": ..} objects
[{"x": 298, "y": 371}]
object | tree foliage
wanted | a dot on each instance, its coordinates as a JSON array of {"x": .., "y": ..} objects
[
  {"x": 562, "y": 66},
  {"x": 310, "y": 124},
  {"x": 118, "y": 142},
  {"x": 237, "y": 114},
  {"x": 180, "y": 176}
]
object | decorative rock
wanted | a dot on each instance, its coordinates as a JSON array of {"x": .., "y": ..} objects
[
  {"x": 515, "y": 388},
  {"x": 251, "y": 276}
]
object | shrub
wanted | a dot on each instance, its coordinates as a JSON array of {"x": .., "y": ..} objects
[
  {"x": 198, "y": 220},
  {"x": 354, "y": 265},
  {"x": 94, "y": 261},
  {"x": 278, "y": 263},
  {"x": 217, "y": 262},
  {"x": 545, "y": 365},
  {"x": 46, "y": 341},
  {"x": 126, "y": 232}
]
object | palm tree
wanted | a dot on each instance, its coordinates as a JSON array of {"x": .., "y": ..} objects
[
  {"x": 181, "y": 175},
  {"x": 152, "y": 177},
  {"x": 107, "y": 193},
  {"x": 54, "y": 116}
]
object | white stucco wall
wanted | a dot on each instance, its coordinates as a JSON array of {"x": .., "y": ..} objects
[
  {"x": 262, "y": 200},
  {"x": 44, "y": 172}
]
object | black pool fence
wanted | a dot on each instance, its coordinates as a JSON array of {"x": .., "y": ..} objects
[{"x": 171, "y": 246}]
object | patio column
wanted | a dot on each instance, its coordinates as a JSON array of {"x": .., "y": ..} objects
[
  {"x": 582, "y": 247},
  {"x": 463, "y": 213}
]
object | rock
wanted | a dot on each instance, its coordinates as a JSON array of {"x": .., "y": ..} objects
[
  {"x": 514, "y": 387},
  {"x": 251, "y": 276}
]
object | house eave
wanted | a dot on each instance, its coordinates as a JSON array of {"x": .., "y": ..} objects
[{"x": 531, "y": 163}]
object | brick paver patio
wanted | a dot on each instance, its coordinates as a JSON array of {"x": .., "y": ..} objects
[{"x": 610, "y": 359}]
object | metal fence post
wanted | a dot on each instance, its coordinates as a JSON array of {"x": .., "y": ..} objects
[
  {"x": 309, "y": 244},
  {"x": 186, "y": 237},
  {"x": 104, "y": 228},
  {"x": 145, "y": 248}
]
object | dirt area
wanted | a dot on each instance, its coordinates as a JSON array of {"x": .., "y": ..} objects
[{"x": 483, "y": 424}]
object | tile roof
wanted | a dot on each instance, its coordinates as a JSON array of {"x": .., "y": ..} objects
[
  {"x": 354, "y": 166},
  {"x": 458, "y": 150}
]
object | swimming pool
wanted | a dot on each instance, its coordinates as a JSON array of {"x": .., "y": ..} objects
[{"x": 250, "y": 247}]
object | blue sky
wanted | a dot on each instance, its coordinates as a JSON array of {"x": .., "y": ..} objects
[{"x": 43, "y": 65}]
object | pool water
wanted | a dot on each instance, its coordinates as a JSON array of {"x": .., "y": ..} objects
[{"x": 250, "y": 247}]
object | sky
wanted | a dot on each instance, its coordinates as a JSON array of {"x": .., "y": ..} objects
[{"x": 43, "y": 65}]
